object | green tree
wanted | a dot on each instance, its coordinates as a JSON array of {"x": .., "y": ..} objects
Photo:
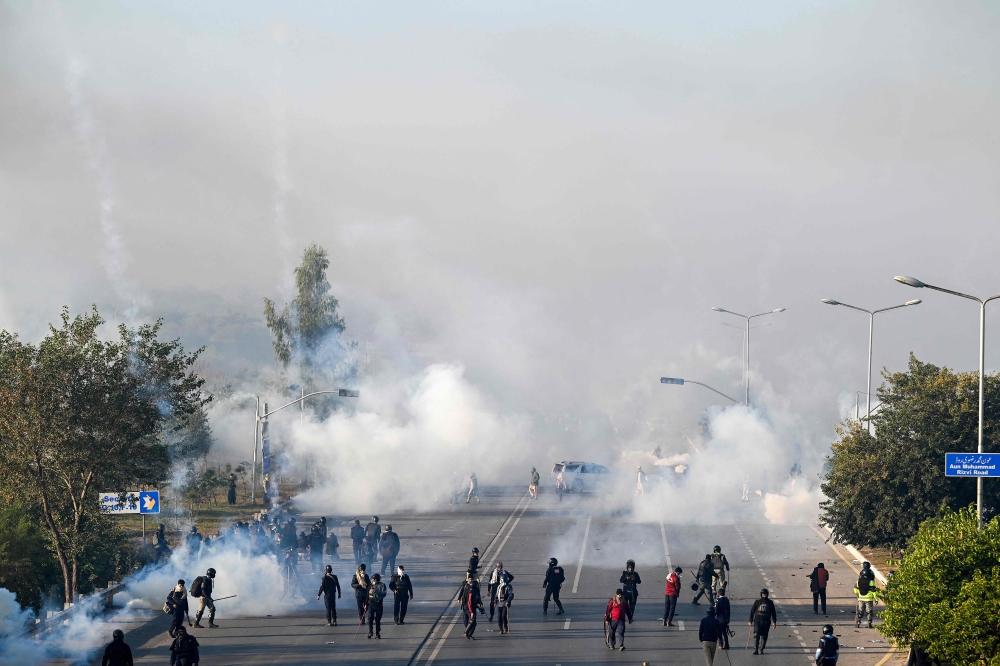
[
  {"x": 27, "y": 566},
  {"x": 309, "y": 320},
  {"x": 881, "y": 487},
  {"x": 945, "y": 597},
  {"x": 80, "y": 415}
]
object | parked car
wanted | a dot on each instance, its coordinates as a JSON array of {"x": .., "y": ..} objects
[{"x": 580, "y": 476}]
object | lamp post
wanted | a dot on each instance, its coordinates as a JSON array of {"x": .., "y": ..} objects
[
  {"x": 258, "y": 417},
  {"x": 871, "y": 327},
  {"x": 678, "y": 380},
  {"x": 747, "y": 364},
  {"x": 913, "y": 282}
]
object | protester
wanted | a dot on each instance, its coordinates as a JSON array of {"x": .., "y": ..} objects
[
  {"x": 817, "y": 585},
  {"x": 615, "y": 617},
  {"x": 709, "y": 634},
  {"x": 672, "y": 591},
  {"x": 117, "y": 652},
  {"x": 329, "y": 586}
]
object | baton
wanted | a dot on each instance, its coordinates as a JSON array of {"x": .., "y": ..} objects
[
  {"x": 606, "y": 633},
  {"x": 223, "y": 598},
  {"x": 749, "y": 631},
  {"x": 361, "y": 622}
]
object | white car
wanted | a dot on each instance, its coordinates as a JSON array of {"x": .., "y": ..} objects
[{"x": 580, "y": 476}]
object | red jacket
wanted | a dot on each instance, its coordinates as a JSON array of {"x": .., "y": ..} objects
[
  {"x": 673, "y": 585},
  {"x": 614, "y": 611},
  {"x": 821, "y": 576}
]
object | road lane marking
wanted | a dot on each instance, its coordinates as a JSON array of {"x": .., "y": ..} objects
[
  {"x": 666, "y": 551},
  {"x": 566, "y": 624},
  {"x": 680, "y": 624},
  {"x": 579, "y": 565}
]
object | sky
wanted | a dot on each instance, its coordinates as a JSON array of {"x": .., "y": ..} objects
[{"x": 550, "y": 196}]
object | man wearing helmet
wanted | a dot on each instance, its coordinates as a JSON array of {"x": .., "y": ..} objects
[
  {"x": 630, "y": 587},
  {"x": 720, "y": 565},
  {"x": 554, "y": 577},
  {"x": 205, "y": 599},
  {"x": 117, "y": 653},
  {"x": 829, "y": 648},
  {"x": 763, "y": 617}
]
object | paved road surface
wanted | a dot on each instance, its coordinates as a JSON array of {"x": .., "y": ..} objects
[{"x": 524, "y": 534}]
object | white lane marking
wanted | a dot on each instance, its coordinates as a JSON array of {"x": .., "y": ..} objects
[
  {"x": 666, "y": 551},
  {"x": 437, "y": 648},
  {"x": 566, "y": 624},
  {"x": 680, "y": 624},
  {"x": 579, "y": 565}
]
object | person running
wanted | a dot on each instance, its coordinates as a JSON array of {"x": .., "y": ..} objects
[
  {"x": 630, "y": 587},
  {"x": 817, "y": 585},
  {"x": 672, "y": 591},
  {"x": 533, "y": 486},
  {"x": 615, "y": 617},
  {"x": 763, "y": 617},
  {"x": 329, "y": 586},
  {"x": 473, "y": 488}
]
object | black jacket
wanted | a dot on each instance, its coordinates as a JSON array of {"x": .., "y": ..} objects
[
  {"x": 184, "y": 646},
  {"x": 706, "y": 572},
  {"x": 722, "y": 610},
  {"x": 709, "y": 630},
  {"x": 629, "y": 582},
  {"x": 357, "y": 534},
  {"x": 554, "y": 577},
  {"x": 763, "y": 612},
  {"x": 400, "y": 585},
  {"x": 361, "y": 587},
  {"x": 471, "y": 587},
  {"x": 117, "y": 653},
  {"x": 473, "y": 563},
  {"x": 329, "y": 584},
  {"x": 390, "y": 544}
]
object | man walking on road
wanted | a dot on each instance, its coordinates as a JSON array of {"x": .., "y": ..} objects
[
  {"x": 817, "y": 585},
  {"x": 471, "y": 601},
  {"x": 376, "y": 593},
  {"x": 473, "y": 488},
  {"x": 328, "y": 586},
  {"x": 615, "y": 616},
  {"x": 203, "y": 592},
  {"x": 722, "y": 616},
  {"x": 673, "y": 590},
  {"x": 495, "y": 578},
  {"x": 361, "y": 583},
  {"x": 502, "y": 598},
  {"x": 389, "y": 548},
  {"x": 763, "y": 617},
  {"x": 402, "y": 591},
  {"x": 720, "y": 565},
  {"x": 829, "y": 648},
  {"x": 630, "y": 587},
  {"x": 554, "y": 577},
  {"x": 706, "y": 574},
  {"x": 709, "y": 634},
  {"x": 358, "y": 539},
  {"x": 533, "y": 486}
]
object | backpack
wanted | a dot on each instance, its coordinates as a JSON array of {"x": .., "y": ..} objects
[
  {"x": 378, "y": 592},
  {"x": 864, "y": 584},
  {"x": 717, "y": 560},
  {"x": 828, "y": 646},
  {"x": 196, "y": 585}
]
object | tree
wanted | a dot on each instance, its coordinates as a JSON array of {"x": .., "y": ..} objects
[
  {"x": 881, "y": 487},
  {"x": 27, "y": 567},
  {"x": 307, "y": 322},
  {"x": 945, "y": 596},
  {"x": 80, "y": 415}
]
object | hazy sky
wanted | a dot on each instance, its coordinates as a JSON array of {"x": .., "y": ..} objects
[{"x": 553, "y": 194}]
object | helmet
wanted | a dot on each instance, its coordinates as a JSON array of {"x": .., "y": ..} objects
[
  {"x": 764, "y": 592},
  {"x": 630, "y": 563},
  {"x": 376, "y": 577},
  {"x": 329, "y": 569},
  {"x": 118, "y": 634},
  {"x": 193, "y": 529},
  {"x": 866, "y": 565},
  {"x": 827, "y": 629},
  {"x": 210, "y": 573},
  {"x": 388, "y": 528},
  {"x": 553, "y": 561},
  {"x": 375, "y": 518},
  {"x": 717, "y": 549},
  {"x": 475, "y": 550}
]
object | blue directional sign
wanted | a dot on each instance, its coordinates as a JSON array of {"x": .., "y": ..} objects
[
  {"x": 972, "y": 464},
  {"x": 132, "y": 501},
  {"x": 671, "y": 380},
  {"x": 149, "y": 501}
]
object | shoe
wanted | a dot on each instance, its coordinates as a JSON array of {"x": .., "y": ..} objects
[
  {"x": 664, "y": 623},
  {"x": 545, "y": 611},
  {"x": 212, "y": 625},
  {"x": 198, "y": 625},
  {"x": 671, "y": 624},
  {"x": 335, "y": 623},
  {"x": 621, "y": 649},
  {"x": 755, "y": 651},
  {"x": 401, "y": 622},
  {"x": 695, "y": 603},
  {"x": 329, "y": 624},
  {"x": 869, "y": 626},
  {"x": 369, "y": 636},
  {"x": 472, "y": 638},
  {"x": 378, "y": 636},
  {"x": 560, "y": 612}
]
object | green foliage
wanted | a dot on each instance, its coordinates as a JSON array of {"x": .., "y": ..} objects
[
  {"x": 881, "y": 488},
  {"x": 946, "y": 595},
  {"x": 309, "y": 321},
  {"x": 27, "y": 566},
  {"x": 204, "y": 487},
  {"x": 79, "y": 415}
]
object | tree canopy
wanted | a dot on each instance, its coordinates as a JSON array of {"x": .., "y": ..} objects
[
  {"x": 80, "y": 415},
  {"x": 881, "y": 487}
]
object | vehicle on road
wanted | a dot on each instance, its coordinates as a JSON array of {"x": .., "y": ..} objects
[{"x": 581, "y": 476}]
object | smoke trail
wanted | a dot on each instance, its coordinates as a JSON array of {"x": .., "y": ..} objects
[{"x": 282, "y": 179}]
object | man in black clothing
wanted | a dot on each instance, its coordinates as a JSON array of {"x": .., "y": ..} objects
[
  {"x": 706, "y": 573},
  {"x": 373, "y": 535},
  {"x": 316, "y": 542},
  {"x": 722, "y": 615},
  {"x": 361, "y": 582},
  {"x": 471, "y": 601},
  {"x": 402, "y": 591},
  {"x": 763, "y": 617},
  {"x": 554, "y": 577},
  {"x": 358, "y": 537},
  {"x": 184, "y": 649},
  {"x": 117, "y": 653},
  {"x": 329, "y": 585},
  {"x": 389, "y": 548},
  {"x": 709, "y": 633},
  {"x": 376, "y": 593},
  {"x": 205, "y": 599},
  {"x": 162, "y": 547},
  {"x": 178, "y": 602},
  {"x": 630, "y": 587},
  {"x": 474, "y": 561}
]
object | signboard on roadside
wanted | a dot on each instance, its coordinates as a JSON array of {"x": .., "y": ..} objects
[
  {"x": 132, "y": 501},
  {"x": 972, "y": 464}
]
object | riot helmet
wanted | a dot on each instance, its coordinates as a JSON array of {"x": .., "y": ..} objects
[
  {"x": 827, "y": 629},
  {"x": 630, "y": 564},
  {"x": 118, "y": 635},
  {"x": 553, "y": 561},
  {"x": 210, "y": 573},
  {"x": 764, "y": 593}
]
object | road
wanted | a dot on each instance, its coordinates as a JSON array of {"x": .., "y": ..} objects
[{"x": 523, "y": 534}]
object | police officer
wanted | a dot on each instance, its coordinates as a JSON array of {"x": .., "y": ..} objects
[
  {"x": 205, "y": 600},
  {"x": 389, "y": 549},
  {"x": 722, "y": 615},
  {"x": 328, "y": 585},
  {"x": 376, "y": 593},
  {"x": 720, "y": 565},
  {"x": 867, "y": 595},
  {"x": 554, "y": 577},
  {"x": 316, "y": 543},
  {"x": 474, "y": 561},
  {"x": 402, "y": 591},
  {"x": 193, "y": 540},
  {"x": 705, "y": 576},
  {"x": 358, "y": 537},
  {"x": 630, "y": 587},
  {"x": 117, "y": 652},
  {"x": 373, "y": 535},
  {"x": 471, "y": 601},
  {"x": 829, "y": 648},
  {"x": 361, "y": 582},
  {"x": 763, "y": 617},
  {"x": 162, "y": 547}
]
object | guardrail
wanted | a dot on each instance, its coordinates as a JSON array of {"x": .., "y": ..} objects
[{"x": 93, "y": 601}]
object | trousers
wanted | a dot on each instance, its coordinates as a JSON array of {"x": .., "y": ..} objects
[
  {"x": 669, "y": 608},
  {"x": 705, "y": 588},
  {"x": 552, "y": 592},
  {"x": 819, "y": 596},
  {"x": 357, "y": 552},
  {"x": 399, "y": 603},
  {"x": 709, "y": 648},
  {"x": 375, "y": 619},
  {"x": 760, "y": 632},
  {"x": 865, "y": 607},
  {"x": 330, "y": 601},
  {"x": 362, "y": 604},
  {"x": 470, "y": 622},
  {"x": 616, "y": 629},
  {"x": 391, "y": 561},
  {"x": 631, "y": 596},
  {"x": 503, "y": 619}
]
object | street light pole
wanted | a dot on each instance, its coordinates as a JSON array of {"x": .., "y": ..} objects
[
  {"x": 871, "y": 329},
  {"x": 913, "y": 282},
  {"x": 678, "y": 380},
  {"x": 748, "y": 318}
]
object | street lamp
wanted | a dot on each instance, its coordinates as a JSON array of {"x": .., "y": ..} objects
[
  {"x": 678, "y": 380},
  {"x": 258, "y": 417},
  {"x": 747, "y": 364},
  {"x": 871, "y": 326},
  {"x": 913, "y": 282}
]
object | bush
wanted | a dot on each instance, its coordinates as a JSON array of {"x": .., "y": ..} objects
[{"x": 27, "y": 566}]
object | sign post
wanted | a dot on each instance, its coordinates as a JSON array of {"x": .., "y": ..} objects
[
  {"x": 132, "y": 501},
  {"x": 975, "y": 465}
]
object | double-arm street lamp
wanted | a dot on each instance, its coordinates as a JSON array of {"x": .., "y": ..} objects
[
  {"x": 913, "y": 282},
  {"x": 871, "y": 327},
  {"x": 747, "y": 363},
  {"x": 343, "y": 393}
]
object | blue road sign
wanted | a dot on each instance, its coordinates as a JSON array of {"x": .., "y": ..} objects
[
  {"x": 149, "y": 501},
  {"x": 142, "y": 501},
  {"x": 671, "y": 380},
  {"x": 971, "y": 464}
]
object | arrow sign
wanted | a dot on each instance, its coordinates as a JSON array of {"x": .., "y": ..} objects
[{"x": 149, "y": 501}]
